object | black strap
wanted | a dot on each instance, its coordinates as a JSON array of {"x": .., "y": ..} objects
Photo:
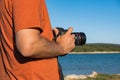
[{"x": 60, "y": 72}]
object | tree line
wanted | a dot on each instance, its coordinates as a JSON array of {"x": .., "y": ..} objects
[{"x": 94, "y": 47}]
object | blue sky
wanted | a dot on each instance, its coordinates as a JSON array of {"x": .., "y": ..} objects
[{"x": 99, "y": 19}]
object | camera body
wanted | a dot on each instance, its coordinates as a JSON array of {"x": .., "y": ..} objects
[{"x": 80, "y": 37}]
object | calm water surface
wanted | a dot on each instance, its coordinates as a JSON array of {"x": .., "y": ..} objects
[{"x": 87, "y": 63}]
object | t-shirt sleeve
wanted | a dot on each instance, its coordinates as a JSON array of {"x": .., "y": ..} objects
[{"x": 27, "y": 14}]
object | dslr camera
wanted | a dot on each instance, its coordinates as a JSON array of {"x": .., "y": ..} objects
[{"x": 80, "y": 37}]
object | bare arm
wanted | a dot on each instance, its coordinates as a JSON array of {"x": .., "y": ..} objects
[{"x": 31, "y": 44}]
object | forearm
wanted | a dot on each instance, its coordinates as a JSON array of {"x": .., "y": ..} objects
[{"x": 43, "y": 48}]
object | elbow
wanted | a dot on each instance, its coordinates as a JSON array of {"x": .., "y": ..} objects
[{"x": 26, "y": 50}]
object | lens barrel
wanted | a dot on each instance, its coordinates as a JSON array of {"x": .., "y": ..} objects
[{"x": 80, "y": 38}]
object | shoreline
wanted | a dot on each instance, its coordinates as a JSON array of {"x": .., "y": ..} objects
[
  {"x": 97, "y": 52},
  {"x": 93, "y": 75}
]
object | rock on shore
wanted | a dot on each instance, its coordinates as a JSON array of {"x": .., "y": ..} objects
[{"x": 75, "y": 77}]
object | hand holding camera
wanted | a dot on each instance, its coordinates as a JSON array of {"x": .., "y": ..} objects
[
  {"x": 80, "y": 37},
  {"x": 66, "y": 40},
  {"x": 69, "y": 39}
]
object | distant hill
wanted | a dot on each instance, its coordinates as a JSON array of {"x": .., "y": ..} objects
[{"x": 97, "y": 47}]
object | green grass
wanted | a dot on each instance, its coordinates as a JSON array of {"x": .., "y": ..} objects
[
  {"x": 97, "y": 47},
  {"x": 104, "y": 77}
]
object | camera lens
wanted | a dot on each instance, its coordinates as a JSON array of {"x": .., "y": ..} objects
[{"x": 80, "y": 38}]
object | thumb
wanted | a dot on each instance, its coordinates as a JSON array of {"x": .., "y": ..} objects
[{"x": 69, "y": 30}]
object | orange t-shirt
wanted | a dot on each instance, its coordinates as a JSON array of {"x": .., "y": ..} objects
[{"x": 14, "y": 16}]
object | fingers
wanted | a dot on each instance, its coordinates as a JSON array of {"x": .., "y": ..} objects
[
  {"x": 67, "y": 40},
  {"x": 56, "y": 31},
  {"x": 73, "y": 36}
]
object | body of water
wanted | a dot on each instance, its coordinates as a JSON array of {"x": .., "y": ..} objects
[{"x": 87, "y": 63}]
